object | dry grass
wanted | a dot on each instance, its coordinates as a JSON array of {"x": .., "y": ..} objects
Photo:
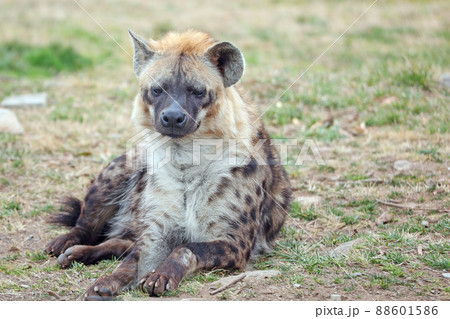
[{"x": 383, "y": 74}]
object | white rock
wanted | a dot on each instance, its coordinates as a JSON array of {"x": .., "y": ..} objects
[
  {"x": 402, "y": 165},
  {"x": 446, "y": 275},
  {"x": 297, "y": 285},
  {"x": 424, "y": 223},
  {"x": 115, "y": 136},
  {"x": 345, "y": 248},
  {"x": 250, "y": 276},
  {"x": 356, "y": 274},
  {"x": 261, "y": 274},
  {"x": 445, "y": 80},
  {"x": 9, "y": 122},
  {"x": 39, "y": 99},
  {"x": 335, "y": 297},
  {"x": 308, "y": 200}
]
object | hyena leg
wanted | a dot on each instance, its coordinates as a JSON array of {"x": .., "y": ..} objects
[
  {"x": 90, "y": 216},
  {"x": 191, "y": 257},
  {"x": 92, "y": 254},
  {"x": 105, "y": 288}
]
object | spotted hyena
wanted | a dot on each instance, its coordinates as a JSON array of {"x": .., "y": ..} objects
[{"x": 191, "y": 213}]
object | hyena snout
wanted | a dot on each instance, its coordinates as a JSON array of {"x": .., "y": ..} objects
[{"x": 173, "y": 117}]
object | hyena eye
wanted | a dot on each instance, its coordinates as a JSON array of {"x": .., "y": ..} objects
[
  {"x": 156, "y": 91},
  {"x": 199, "y": 94}
]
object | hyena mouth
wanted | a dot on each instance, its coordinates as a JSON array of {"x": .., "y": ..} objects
[
  {"x": 173, "y": 135},
  {"x": 177, "y": 133}
]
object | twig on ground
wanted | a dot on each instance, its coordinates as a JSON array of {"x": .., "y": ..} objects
[
  {"x": 54, "y": 294},
  {"x": 239, "y": 278},
  {"x": 371, "y": 180},
  {"x": 412, "y": 208}
]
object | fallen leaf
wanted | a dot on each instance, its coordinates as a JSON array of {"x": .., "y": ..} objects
[
  {"x": 384, "y": 218},
  {"x": 328, "y": 121},
  {"x": 388, "y": 101},
  {"x": 420, "y": 250},
  {"x": 87, "y": 153}
]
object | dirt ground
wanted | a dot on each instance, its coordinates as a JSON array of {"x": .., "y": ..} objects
[{"x": 373, "y": 105}]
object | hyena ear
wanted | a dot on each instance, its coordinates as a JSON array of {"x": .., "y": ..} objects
[
  {"x": 229, "y": 60},
  {"x": 142, "y": 53}
]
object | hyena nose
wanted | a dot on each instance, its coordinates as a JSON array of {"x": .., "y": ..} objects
[{"x": 173, "y": 118}]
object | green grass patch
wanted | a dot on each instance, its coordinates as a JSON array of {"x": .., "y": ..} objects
[
  {"x": 383, "y": 281},
  {"x": 438, "y": 256},
  {"x": 283, "y": 115},
  {"x": 298, "y": 211},
  {"x": 24, "y": 60},
  {"x": 41, "y": 210},
  {"x": 383, "y": 35},
  {"x": 356, "y": 176},
  {"x": 384, "y": 116},
  {"x": 37, "y": 255},
  {"x": 403, "y": 179},
  {"x": 67, "y": 112},
  {"x": 432, "y": 152},
  {"x": 366, "y": 206},
  {"x": 9, "y": 208},
  {"x": 414, "y": 76},
  {"x": 350, "y": 219}
]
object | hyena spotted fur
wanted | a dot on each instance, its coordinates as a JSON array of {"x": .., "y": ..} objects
[{"x": 173, "y": 220}]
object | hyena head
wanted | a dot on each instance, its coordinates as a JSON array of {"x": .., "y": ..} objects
[{"x": 182, "y": 78}]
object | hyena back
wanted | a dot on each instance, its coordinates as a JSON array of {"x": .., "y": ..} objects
[{"x": 172, "y": 220}]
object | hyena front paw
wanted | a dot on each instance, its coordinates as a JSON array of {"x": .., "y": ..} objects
[
  {"x": 78, "y": 253},
  {"x": 104, "y": 289},
  {"x": 155, "y": 283},
  {"x": 56, "y": 246}
]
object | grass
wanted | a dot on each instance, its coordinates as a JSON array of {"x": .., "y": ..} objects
[
  {"x": 372, "y": 99},
  {"x": 303, "y": 213},
  {"x": 23, "y": 60},
  {"x": 9, "y": 208}
]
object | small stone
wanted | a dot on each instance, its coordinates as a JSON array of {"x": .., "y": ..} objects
[
  {"x": 115, "y": 136},
  {"x": 308, "y": 200},
  {"x": 388, "y": 101},
  {"x": 420, "y": 250},
  {"x": 39, "y": 99},
  {"x": 402, "y": 165},
  {"x": 345, "y": 248},
  {"x": 384, "y": 218},
  {"x": 356, "y": 274},
  {"x": 425, "y": 223},
  {"x": 446, "y": 275},
  {"x": 30, "y": 237},
  {"x": 297, "y": 285},
  {"x": 250, "y": 276},
  {"x": 260, "y": 274},
  {"x": 9, "y": 122},
  {"x": 445, "y": 80},
  {"x": 335, "y": 297}
]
